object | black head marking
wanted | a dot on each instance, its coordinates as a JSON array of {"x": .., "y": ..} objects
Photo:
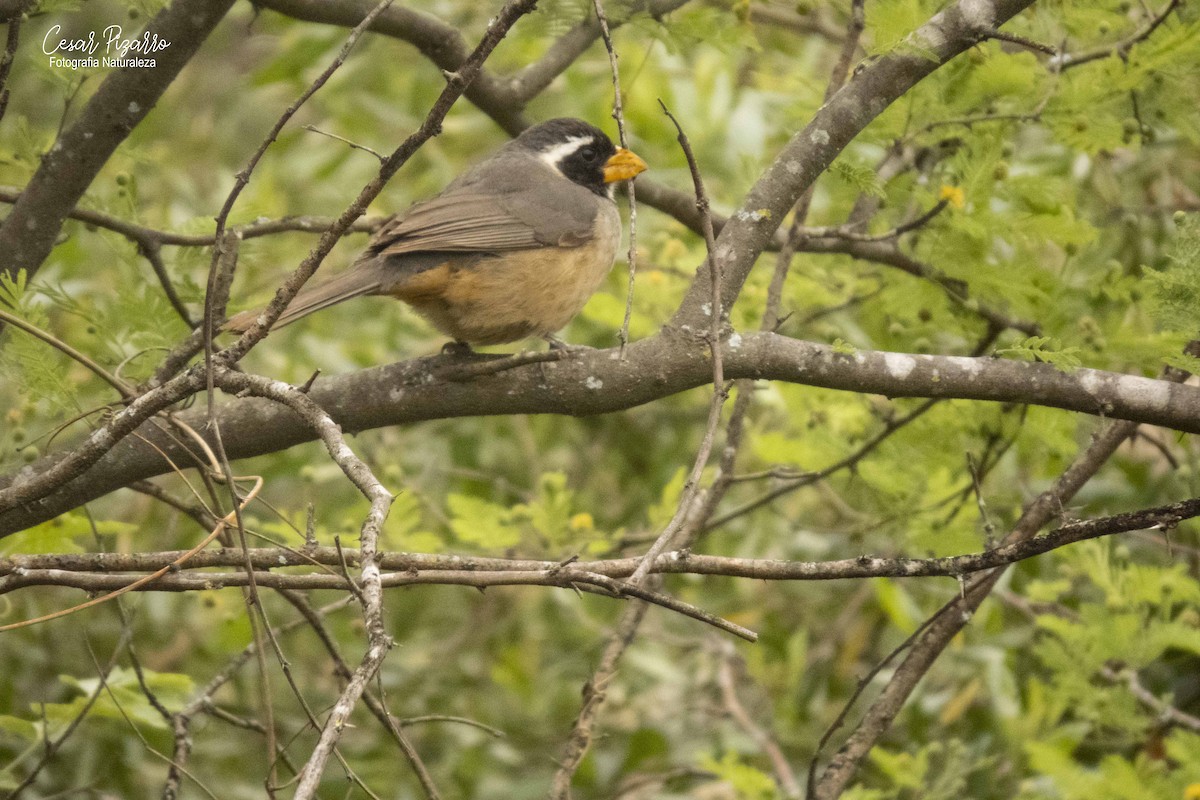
[{"x": 574, "y": 148}]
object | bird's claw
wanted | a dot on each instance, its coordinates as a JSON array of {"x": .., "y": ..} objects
[
  {"x": 559, "y": 346},
  {"x": 457, "y": 349}
]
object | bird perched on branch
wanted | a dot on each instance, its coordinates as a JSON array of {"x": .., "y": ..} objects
[{"x": 513, "y": 248}]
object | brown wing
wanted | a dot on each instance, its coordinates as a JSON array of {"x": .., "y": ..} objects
[
  {"x": 456, "y": 223},
  {"x": 526, "y": 204}
]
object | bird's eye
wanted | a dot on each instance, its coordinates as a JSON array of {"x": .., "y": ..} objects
[{"x": 588, "y": 154}]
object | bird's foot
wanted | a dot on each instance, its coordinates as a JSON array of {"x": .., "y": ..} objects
[
  {"x": 559, "y": 346},
  {"x": 457, "y": 349}
]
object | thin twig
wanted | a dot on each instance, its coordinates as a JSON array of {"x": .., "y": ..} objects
[
  {"x": 352, "y": 145},
  {"x": 619, "y": 115},
  {"x": 1023, "y": 41},
  {"x": 715, "y": 313},
  {"x": 12, "y": 39},
  {"x": 846, "y": 232},
  {"x": 152, "y": 252},
  {"x": 52, "y": 747},
  {"x": 102, "y": 675},
  {"x": 726, "y": 680},
  {"x": 580, "y": 738},
  {"x": 954, "y": 615},
  {"x": 104, "y": 571},
  {"x": 371, "y": 589},
  {"x": 140, "y": 234},
  {"x": 1069, "y": 60},
  {"x": 125, "y": 390},
  {"x": 1165, "y": 711},
  {"x": 135, "y": 585},
  {"x": 809, "y": 478}
]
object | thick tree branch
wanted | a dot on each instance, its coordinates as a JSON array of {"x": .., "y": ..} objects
[
  {"x": 169, "y": 388},
  {"x": 439, "y": 42},
  {"x": 873, "y": 87},
  {"x": 946, "y": 623},
  {"x": 591, "y": 383},
  {"x": 531, "y": 80}
]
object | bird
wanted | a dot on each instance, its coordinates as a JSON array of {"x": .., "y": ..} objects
[{"x": 511, "y": 249}]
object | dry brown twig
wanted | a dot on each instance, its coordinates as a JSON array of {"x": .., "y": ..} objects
[
  {"x": 579, "y": 740},
  {"x": 191, "y": 386},
  {"x": 203, "y": 702},
  {"x": 714, "y": 309},
  {"x": 379, "y": 642},
  {"x": 938, "y": 630},
  {"x": 142, "y": 581},
  {"x": 99, "y": 571},
  {"x": 619, "y": 115},
  {"x": 52, "y": 747},
  {"x": 727, "y": 682}
]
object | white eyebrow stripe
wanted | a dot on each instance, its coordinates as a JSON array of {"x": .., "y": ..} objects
[{"x": 560, "y": 151}]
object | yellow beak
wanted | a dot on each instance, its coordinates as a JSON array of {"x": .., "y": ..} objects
[{"x": 624, "y": 165}]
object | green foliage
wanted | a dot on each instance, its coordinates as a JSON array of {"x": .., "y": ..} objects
[
  {"x": 1176, "y": 288},
  {"x": 120, "y": 698},
  {"x": 891, "y": 23},
  {"x": 64, "y": 534},
  {"x": 482, "y": 523},
  {"x": 405, "y": 530},
  {"x": 1061, "y": 192},
  {"x": 713, "y": 27},
  {"x": 548, "y": 523},
  {"x": 1115, "y": 778},
  {"x": 938, "y": 771},
  {"x": 860, "y": 177},
  {"x": 748, "y": 783},
  {"x": 1129, "y": 618},
  {"x": 37, "y": 376},
  {"x": 1045, "y": 349}
]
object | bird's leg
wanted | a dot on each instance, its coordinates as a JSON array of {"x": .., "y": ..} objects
[
  {"x": 560, "y": 346},
  {"x": 457, "y": 349}
]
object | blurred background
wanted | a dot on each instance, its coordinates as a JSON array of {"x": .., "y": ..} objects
[{"x": 1070, "y": 200}]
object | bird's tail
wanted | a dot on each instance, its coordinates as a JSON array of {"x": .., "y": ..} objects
[{"x": 354, "y": 282}]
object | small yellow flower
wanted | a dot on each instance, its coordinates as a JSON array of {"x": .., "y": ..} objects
[
  {"x": 582, "y": 522},
  {"x": 1192, "y": 792},
  {"x": 953, "y": 195}
]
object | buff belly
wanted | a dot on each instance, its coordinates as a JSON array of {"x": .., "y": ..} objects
[{"x": 501, "y": 298}]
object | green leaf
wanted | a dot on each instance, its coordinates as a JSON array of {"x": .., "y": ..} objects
[
  {"x": 58, "y": 535},
  {"x": 1045, "y": 349},
  {"x": 748, "y": 782},
  {"x": 1176, "y": 289},
  {"x": 19, "y": 728},
  {"x": 122, "y": 697},
  {"x": 550, "y": 513},
  {"x": 859, "y": 176},
  {"x": 661, "y": 512},
  {"x": 480, "y": 522}
]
